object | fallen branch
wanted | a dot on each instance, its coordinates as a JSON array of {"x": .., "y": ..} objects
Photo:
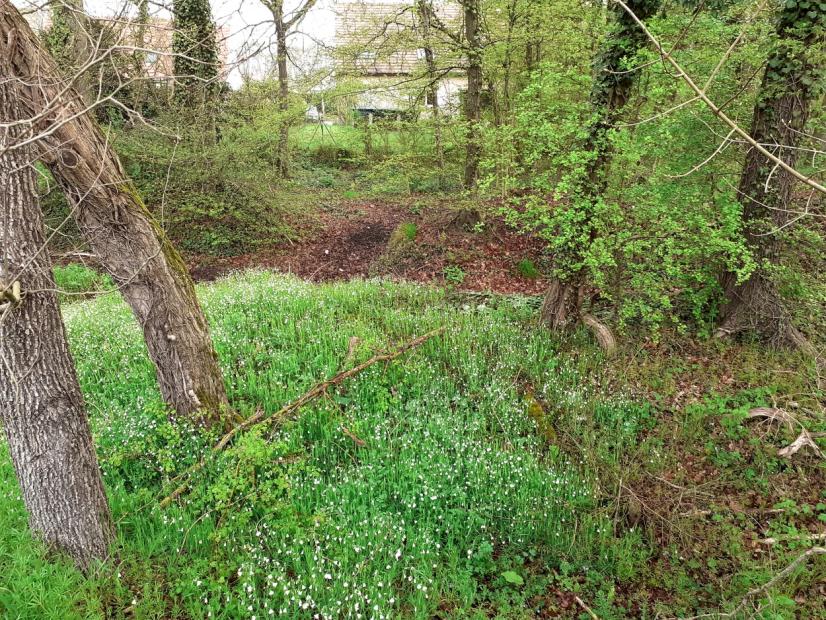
[
  {"x": 766, "y": 586},
  {"x": 585, "y": 607},
  {"x": 260, "y": 417}
]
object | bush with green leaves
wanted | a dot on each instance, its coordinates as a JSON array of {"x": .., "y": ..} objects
[{"x": 669, "y": 221}]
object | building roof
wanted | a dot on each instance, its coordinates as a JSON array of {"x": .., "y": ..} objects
[{"x": 380, "y": 38}]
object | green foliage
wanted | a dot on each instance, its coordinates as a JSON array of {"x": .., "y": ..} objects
[
  {"x": 220, "y": 198},
  {"x": 527, "y": 269},
  {"x": 654, "y": 242},
  {"x": 408, "y": 229},
  {"x": 453, "y": 274}
]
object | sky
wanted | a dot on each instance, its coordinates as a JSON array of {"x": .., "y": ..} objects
[{"x": 246, "y": 23}]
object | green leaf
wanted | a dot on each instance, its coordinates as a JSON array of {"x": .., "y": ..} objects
[{"x": 513, "y": 577}]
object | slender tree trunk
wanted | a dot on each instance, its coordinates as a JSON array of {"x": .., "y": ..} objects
[
  {"x": 609, "y": 93},
  {"x": 473, "y": 100},
  {"x": 43, "y": 413},
  {"x": 425, "y": 9},
  {"x": 140, "y": 55},
  {"x": 780, "y": 115},
  {"x": 283, "y": 161},
  {"x": 125, "y": 237}
]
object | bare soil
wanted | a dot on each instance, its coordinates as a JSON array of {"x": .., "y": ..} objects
[{"x": 347, "y": 239}]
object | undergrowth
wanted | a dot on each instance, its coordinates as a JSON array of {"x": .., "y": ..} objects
[{"x": 475, "y": 477}]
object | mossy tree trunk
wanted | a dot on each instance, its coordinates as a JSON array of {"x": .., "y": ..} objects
[
  {"x": 42, "y": 409},
  {"x": 126, "y": 239},
  {"x": 787, "y": 90},
  {"x": 610, "y": 91}
]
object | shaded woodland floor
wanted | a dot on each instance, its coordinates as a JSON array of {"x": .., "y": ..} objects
[{"x": 448, "y": 244}]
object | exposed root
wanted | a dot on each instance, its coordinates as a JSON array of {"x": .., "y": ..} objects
[
  {"x": 604, "y": 336},
  {"x": 803, "y": 440},
  {"x": 773, "y": 414}
]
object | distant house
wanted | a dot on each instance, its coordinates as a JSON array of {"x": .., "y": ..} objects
[
  {"x": 157, "y": 40},
  {"x": 379, "y": 44}
]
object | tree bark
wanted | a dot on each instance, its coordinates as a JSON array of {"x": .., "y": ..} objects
[
  {"x": 113, "y": 219},
  {"x": 765, "y": 191},
  {"x": 283, "y": 161},
  {"x": 609, "y": 93},
  {"x": 425, "y": 10},
  {"x": 473, "y": 97},
  {"x": 42, "y": 408}
]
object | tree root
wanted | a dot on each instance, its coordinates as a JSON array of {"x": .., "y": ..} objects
[
  {"x": 604, "y": 336},
  {"x": 261, "y": 417},
  {"x": 560, "y": 304}
]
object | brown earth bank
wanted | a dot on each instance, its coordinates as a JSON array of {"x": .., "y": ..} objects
[{"x": 347, "y": 240}]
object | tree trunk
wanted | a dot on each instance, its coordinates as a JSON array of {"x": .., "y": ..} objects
[
  {"x": 70, "y": 41},
  {"x": 139, "y": 55},
  {"x": 42, "y": 408},
  {"x": 283, "y": 161},
  {"x": 195, "y": 46},
  {"x": 126, "y": 239},
  {"x": 425, "y": 9},
  {"x": 780, "y": 115},
  {"x": 609, "y": 93},
  {"x": 473, "y": 110}
]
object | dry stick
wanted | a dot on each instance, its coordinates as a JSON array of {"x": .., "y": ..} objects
[
  {"x": 768, "y": 585},
  {"x": 585, "y": 607},
  {"x": 715, "y": 109},
  {"x": 261, "y": 417}
]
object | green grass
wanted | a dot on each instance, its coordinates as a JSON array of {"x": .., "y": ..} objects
[
  {"x": 432, "y": 486},
  {"x": 451, "y": 488},
  {"x": 76, "y": 282}
]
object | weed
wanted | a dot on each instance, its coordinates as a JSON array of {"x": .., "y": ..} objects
[{"x": 527, "y": 269}]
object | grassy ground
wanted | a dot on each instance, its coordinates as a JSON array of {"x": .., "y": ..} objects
[{"x": 493, "y": 472}]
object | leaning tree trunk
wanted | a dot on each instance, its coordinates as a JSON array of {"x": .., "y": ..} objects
[
  {"x": 609, "y": 93},
  {"x": 126, "y": 239},
  {"x": 42, "y": 409},
  {"x": 780, "y": 115},
  {"x": 283, "y": 161},
  {"x": 473, "y": 101}
]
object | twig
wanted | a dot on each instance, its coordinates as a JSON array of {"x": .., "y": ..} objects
[
  {"x": 587, "y": 609},
  {"x": 261, "y": 417},
  {"x": 766, "y": 586}
]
